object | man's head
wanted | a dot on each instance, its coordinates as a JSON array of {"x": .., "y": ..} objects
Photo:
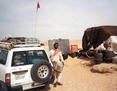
[
  {"x": 55, "y": 45},
  {"x": 107, "y": 44}
]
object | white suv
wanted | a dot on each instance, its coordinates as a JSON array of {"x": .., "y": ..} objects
[{"x": 24, "y": 67}]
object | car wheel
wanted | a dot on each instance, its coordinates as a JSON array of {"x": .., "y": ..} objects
[
  {"x": 41, "y": 71},
  {"x": 3, "y": 86}
]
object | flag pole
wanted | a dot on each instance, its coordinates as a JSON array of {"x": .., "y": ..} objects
[
  {"x": 36, "y": 23},
  {"x": 36, "y": 20}
]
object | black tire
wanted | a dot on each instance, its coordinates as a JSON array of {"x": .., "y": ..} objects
[
  {"x": 41, "y": 71},
  {"x": 51, "y": 81},
  {"x": 79, "y": 54},
  {"x": 73, "y": 55},
  {"x": 98, "y": 58},
  {"x": 65, "y": 56},
  {"x": 3, "y": 86},
  {"x": 108, "y": 55}
]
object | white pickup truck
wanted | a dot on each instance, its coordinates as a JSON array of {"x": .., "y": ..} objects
[{"x": 24, "y": 67}]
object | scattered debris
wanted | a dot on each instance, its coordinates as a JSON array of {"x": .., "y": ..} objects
[
  {"x": 87, "y": 63},
  {"x": 104, "y": 68}
]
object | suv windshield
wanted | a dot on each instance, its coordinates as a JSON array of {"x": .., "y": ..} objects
[{"x": 28, "y": 57}]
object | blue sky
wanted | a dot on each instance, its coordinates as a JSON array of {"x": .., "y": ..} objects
[{"x": 56, "y": 18}]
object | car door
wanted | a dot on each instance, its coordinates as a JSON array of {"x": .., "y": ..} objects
[{"x": 20, "y": 71}]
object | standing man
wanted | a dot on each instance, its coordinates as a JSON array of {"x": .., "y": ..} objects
[{"x": 58, "y": 63}]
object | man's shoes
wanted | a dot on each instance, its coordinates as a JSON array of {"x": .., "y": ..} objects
[
  {"x": 58, "y": 83},
  {"x": 54, "y": 84}
]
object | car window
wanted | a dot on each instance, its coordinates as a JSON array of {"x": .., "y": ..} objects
[
  {"x": 3, "y": 56},
  {"x": 36, "y": 55},
  {"x": 28, "y": 57},
  {"x": 19, "y": 58}
]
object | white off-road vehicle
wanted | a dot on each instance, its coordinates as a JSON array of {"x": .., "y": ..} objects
[{"x": 24, "y": 66}]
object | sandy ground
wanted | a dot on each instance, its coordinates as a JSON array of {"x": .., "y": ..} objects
[{"x": 77, "y": 77}]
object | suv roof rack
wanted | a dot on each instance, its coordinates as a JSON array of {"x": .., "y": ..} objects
[
  {"x": 16, "y": 42},
  {"x": 22, "y": 40},
  {"x": 27, "y": 45}
]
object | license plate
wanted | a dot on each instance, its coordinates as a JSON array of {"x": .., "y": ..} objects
[{"x": 18, "y": 77}]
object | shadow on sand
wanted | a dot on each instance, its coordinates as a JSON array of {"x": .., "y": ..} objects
[{"x": 47, "y": 88}]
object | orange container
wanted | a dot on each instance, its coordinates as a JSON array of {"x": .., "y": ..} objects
[{"x": 74, "y": 48}]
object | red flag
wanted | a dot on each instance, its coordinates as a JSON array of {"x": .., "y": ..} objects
[{"x": 38, "y": 6}]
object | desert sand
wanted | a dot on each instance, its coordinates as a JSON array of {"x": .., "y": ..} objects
[{"x": 78, "y": 77}]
